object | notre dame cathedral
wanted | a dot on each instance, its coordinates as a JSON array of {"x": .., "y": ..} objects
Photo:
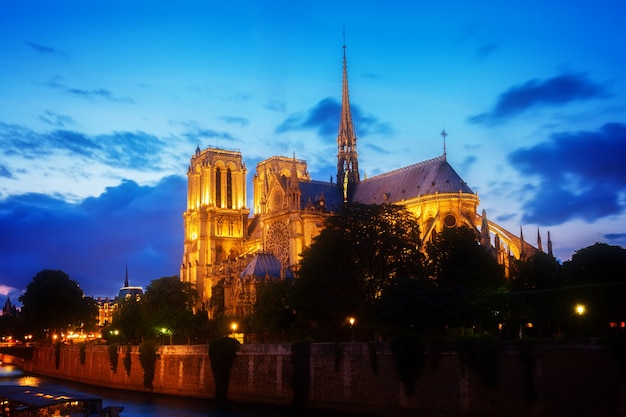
[{"x": 226, "y": 244}]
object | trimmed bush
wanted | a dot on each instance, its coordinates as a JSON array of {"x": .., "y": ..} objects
[
  {"x": 113, "y": 358},
  {"x": 127, "y": 359},
  {"x": 222, "y": 354},
  {"x": 147, "y": 359},
  {"x": 407, "y": 350}
]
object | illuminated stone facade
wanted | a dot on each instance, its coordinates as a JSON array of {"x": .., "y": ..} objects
[
  {"x": 222, "y": 240},
  {"x": 216, "y": 218}
]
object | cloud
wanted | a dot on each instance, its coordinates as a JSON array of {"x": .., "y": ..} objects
[
  {"x": 6, "y": 172},
  {"x": 131, "y": 150},
  {"x": 5, "y": 290},
  {"x": 196, "y": 134},
  {"x": 45, "y": 50},
  {"x": 486, "y": 50},
  {"x": 581, "y": 175},
  {"x": 323, "y": 117},
  {"x": 275, "y": 105},
  {"x": 56, "y": 83},
  {"x": 615, "y": 236},
  {"x": 94, "y": 239},
  {"x": 556, "y": 91},
  {"x": 241, "y": 121},
  {"x": 56, "y": 120}
]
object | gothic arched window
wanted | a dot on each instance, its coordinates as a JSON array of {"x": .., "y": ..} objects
[
  {"x": 229, "y": 189},
  {"x": 218, "y": 187}
]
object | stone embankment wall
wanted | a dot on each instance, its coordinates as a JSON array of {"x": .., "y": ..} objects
[{"x": 361, "y": 378}]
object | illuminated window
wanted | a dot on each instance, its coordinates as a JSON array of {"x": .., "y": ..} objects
[
  {"x": 218, "y": 187},
  {"x": 229, "y": 189}
]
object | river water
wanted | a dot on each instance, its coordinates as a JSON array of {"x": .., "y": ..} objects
[{"x": 144, "y": 404}]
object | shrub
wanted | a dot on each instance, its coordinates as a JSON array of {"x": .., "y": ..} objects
[
  {"x": 301, "y": 382},
  {"x": 127, "y": 359},
  {"x": 147, "y": 359},
  {"x": 407, "y": 350},
  {"x": 222, "y": 354},
  {"x": 57, "y": 355},
  {"x": 82, "y": 353},
  {"x": 113, "y": 356}
]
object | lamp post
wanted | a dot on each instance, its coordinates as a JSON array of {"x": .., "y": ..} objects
[
  {"x": 233, "y": 328},
  {"x": 580, "y": 309},
  {"x": 351, "y": 321}
]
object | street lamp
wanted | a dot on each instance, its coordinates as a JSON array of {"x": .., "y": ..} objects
[
  {"x": 233, "y": 327},
  {"x": 351, "y": 321},
  {"x": 580, "y": 310},
  {"x": 166, "y": 332}
]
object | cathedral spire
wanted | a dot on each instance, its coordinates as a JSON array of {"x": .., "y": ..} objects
[
  {"x": 539, "y": 244},
  {"x": 347, "y": 158},
  {"x": 549, "y": 244},
  {"x": 294, "y": 186},
  {"x": 126, "y": 284}
]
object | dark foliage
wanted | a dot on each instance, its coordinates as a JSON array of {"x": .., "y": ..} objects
[
  {"x": 595, "y": 264},
  {"x": 360, "y": 251},
  {"x": 407, "y": 350},
  {"x": 301, "y": 382},
  {"x": 222, "y": 354},
  {"x": 54, "y": 302},
  {"x": 113, "y": 356},
  {"x": 147, "y": 359}
]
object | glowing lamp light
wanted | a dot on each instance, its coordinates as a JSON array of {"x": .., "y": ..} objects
[
  {"x": 233, "y": 327},
  {"x": 351, "y": 320},
  {"x": 580, "y": 309}
]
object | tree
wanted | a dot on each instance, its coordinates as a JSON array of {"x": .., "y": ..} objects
[
  {"x": 469, "y": 273},
  {"x": 54, "y": 302},
  {"x": 539, "y": 272},
  {"x": 129, "y": 320},
  {"x": 361, "y": 249},
  {"x": 273, "y": 316},
  {"x": 168, "y": 307},
  {"x": 595, "y": 264}
]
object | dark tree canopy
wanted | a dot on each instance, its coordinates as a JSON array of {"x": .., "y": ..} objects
[
  {"x": 169, "y": 304},
  {"x": 273, "y": 311},
  {"x": 455, "y": 258},
  {"x": 54, "y": 302},
  {"x": 539, "y": 272},
  {"x": 360, "y": 251},
  {"x": 466, "y": 273},
  {"x": 129, "y": 320},
  {"x": 595, "y": 264}
]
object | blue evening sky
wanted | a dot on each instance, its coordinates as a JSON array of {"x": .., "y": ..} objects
[{"x": 102, "y": 103}]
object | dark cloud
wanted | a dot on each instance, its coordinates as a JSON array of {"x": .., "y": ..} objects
[
  {"x": 131, "y": 150},
  {"x": 468, "y": 162},
  {"x": 200, "y": 135},
  {"x": 56, "y": 120},
  {"x": 486, "y": 50},
  {"x": 581, "y": 175},
  {"x": 6, "y": 172},
  {"x": 241, "y": 121},
  {"x": 322, "y": 118},
  {"x": 45, "y": 50},
  {"x": 94, "y": 240},
  {"x": 56, "y": 83},
  {"x": 556, "y": 91},
  {"x": 275, "y": 105},
  {"x": 616, "y": 236},
  {"x": 97, "y": 93}
]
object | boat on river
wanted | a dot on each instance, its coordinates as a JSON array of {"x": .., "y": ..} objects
[{"x": 29, "y": 401}]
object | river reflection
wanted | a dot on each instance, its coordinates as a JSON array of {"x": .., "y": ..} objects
[{"x": 140, "y": 404}]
